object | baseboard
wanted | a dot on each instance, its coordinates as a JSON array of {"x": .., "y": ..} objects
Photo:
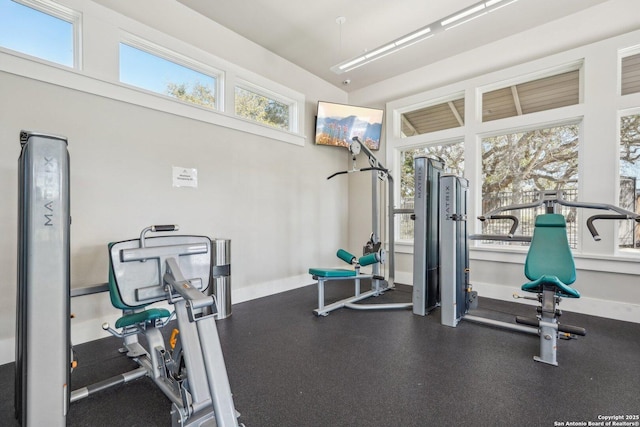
[
  {"x": 272, "y": 287},
  {"x": 616, "y": 310}
]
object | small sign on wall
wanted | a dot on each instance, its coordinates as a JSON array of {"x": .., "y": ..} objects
[{"x": 185, "y": 177}]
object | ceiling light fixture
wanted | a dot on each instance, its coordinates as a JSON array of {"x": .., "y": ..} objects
[{"x": 458, "y": 18}]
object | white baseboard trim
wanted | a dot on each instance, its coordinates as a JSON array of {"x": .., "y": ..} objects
[
  {"x": 264, "y": 289},
  {"x": 617, "y": 310}
]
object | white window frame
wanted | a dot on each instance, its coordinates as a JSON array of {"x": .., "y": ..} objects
[
  {"x": 623, "y": 53},
  {"x": 178, "y": 59},
  {"x": 100, "y": 29},
  {"x": 63, "y": 13},
  {"x": 599, "y": 105},
  {"x": 275, "y": 96}
]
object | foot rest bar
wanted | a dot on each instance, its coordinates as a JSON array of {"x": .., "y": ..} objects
[
  {"x": 500, "y": 324},
  {"x": 389, "y": 306},
  {"x": 87, "y": 391},
  {"x": 575, "y": 330}
]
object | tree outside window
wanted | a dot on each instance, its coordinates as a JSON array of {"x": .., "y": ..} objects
[
  {"x": 517, "y": 166},
  {"x": 261, "y": 109},
  {"x": 452, "y": 155},
  {"x": 629, "y": 232}
]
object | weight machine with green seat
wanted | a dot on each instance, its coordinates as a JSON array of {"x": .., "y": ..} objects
[
  {"x": 146, "y": 270},
  {"x": 192, "y": 372},
  {"x": 373, "y": 252},
  {"x": 549, "y": 264}
]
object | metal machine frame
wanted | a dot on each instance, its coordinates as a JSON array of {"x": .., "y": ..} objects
[
  {"x": 457, "y": 296},
  {"x": 180, "y": 266},
  {"x": 374, "y": 246},
  {"x": 43, "y": 349},
  {"x": 176, "y": 269},
  {"x": 426, "y": 257}
]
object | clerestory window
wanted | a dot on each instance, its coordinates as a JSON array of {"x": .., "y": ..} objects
[{"x": 41, "y": 29}]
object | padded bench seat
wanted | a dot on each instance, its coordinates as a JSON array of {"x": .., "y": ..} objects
[
  {"x": 142, "y": 317},
  {"x": 332, "y": 272}
]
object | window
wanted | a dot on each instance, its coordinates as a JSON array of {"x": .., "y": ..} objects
[
  {"x": 516, "y": 166},
  {"x": 452, "y": 156},
  {"x": 629, "y": 232},
  {"x": 41, "y": 29},
  {"x": 445, "y": 115},
  {"x": 151, "y": 72},
  {"x": 262, "y": 108},
  {"x": 533, "y": 96},
  {"x": 630, "y": 74}
]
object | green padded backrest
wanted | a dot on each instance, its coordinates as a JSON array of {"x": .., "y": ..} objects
[{"x": 549, "y": 253}]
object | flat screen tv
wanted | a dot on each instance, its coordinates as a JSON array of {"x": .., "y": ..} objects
[{"x": 337, "y": 124}]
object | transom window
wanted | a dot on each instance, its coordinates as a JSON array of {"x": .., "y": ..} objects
[
  {"x": 445, "y": 115},
  {"x": 41, "y": 29},
  {"x": 538, "y": 95},
  {"x": 152, "y": 72},
  {"x": 262, "y": 108},
  {"x": 630, "y": 74}
]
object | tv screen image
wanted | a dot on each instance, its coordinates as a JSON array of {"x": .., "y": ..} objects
[{"x": 337, "y": 124}]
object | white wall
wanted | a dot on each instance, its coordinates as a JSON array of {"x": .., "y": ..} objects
[
  {"x": 609, "y": 285},
  {"x": 271, "y": 198}
]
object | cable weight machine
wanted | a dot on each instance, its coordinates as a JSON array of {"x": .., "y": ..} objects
[
  {"x": 374, "y": 253},
  {"x": 549, "y": 265}
]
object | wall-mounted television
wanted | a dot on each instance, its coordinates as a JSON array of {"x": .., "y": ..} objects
[{"x": 337, "y": 124}]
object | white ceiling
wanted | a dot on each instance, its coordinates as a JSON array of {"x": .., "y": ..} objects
[{"x": 305, "y": 32}]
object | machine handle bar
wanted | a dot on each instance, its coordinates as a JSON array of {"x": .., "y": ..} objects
[
  {"x": 513, "y": 218},
  {"x": 168, "y": 227},
  {"x": 372, "y": 168},
  {"x": 557, "y": 196},
  {"x": 157, "y": 229},
  {"x": 592, "y": 218}
]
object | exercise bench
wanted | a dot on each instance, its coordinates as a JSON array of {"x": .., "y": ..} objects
[{"x": 378, "y": 284}]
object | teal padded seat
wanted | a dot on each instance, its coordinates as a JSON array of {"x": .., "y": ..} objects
[
  {"x": 144, "y": 316},
  {"x": 332, "y": 272},
  {"x": 549, "y": 261}
]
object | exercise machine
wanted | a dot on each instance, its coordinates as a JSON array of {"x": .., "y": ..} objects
[
  {"x": 426, "y": 217},
  {"x": 43, "y": 343},
  {"x": 549, "y": 264},
  {"x": 373, "y": 252},
  {"x": 175, "y": 268},
  {"x": 192, "y": 372}
]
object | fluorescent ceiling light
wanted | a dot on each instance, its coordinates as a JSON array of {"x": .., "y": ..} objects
[
  {"x": 352, "y": 62},
  {"x": 471, "y": 18},
  {"x": 412, "y": 36},
  {"x": 475, "y": 11},
  {"x": 502, "y": 4},
  {"x": 458, "y": 16},
  {"x": 380, "y": 50}
]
